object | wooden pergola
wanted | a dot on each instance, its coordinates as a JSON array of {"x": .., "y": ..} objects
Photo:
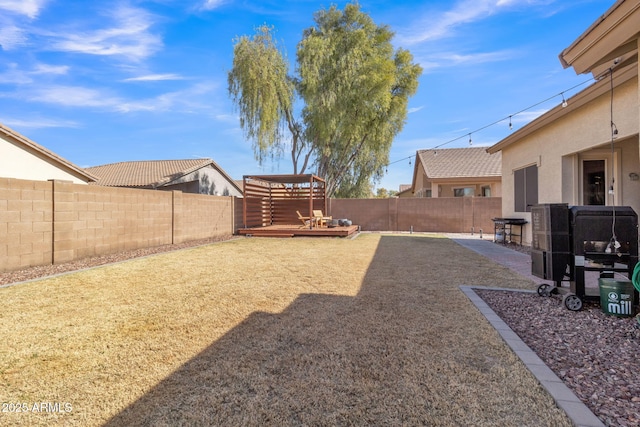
[{"x": 274, "y": 199}]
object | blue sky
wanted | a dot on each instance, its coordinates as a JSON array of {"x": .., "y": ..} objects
[{"x": 106, "y": 81}]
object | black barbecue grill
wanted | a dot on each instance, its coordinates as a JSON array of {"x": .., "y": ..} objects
[
  {"x": 503, "y": 231},
  {"x": 569, "y": 241}
]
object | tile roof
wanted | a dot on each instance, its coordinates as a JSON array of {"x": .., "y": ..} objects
[
  {"x": 31, "y": 145},
  {"x": 147, "y": 173},
  {"x": 471, "y": 162}
]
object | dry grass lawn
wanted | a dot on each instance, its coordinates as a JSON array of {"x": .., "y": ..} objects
[{"x": 304, "y": 331}]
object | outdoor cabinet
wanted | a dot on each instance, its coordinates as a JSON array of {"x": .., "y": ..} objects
[{"x": 550, "y": 253}]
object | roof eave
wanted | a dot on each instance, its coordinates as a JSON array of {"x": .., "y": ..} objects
[
  {"x": 608, "y": 39},
  {"x": 59, "y": 161}
]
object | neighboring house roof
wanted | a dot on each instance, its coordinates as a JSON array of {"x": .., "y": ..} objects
[
  {"x": 404, "y": 187},
  {"x": 39, "y": 150},
  {"x": 472, "y": 162},
  {"x": 151, "y": 173}
]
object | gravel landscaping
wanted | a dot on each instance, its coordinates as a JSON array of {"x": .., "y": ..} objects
[
  {"x": 596, "y": 355},
  {"x": 31, "y": 273}
]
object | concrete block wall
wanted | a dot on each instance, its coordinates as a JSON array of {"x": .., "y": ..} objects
[
  {"x": 51, "y": 222},
  {"x": 199, "y": 216},
  {"x": 447, "y": 214},
  {"x": 26, "y": 228},
  {"x": 92, "y": 220}
]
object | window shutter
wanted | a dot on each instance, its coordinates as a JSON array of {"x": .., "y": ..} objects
[
  {"x": 519, "y": 190},
  {"x": 531, "y": 187}
]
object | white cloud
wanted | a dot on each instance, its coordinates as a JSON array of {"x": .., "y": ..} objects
[
  {"x": 50, "y": 69},
  {"x": 11, "y": 37},
  {"x": 71, "y": 96},
  {"x": 14, "y": 75},
  {"x": 29, "y": 8},
  {"x": 415, "y": 109},
  {"x": 154, "y": 77},
  {"x": 452, "y": 59},
  {"x": 441, "y": 25},
  {"x": 212, "y": 4},
  {"x": 40, "y": 123},
  {"x": 183, "y": 100},
  {"x": 527, "y": 116},
  {"x": 129, "y": 36},
  {"x": 227, "y": 118}
]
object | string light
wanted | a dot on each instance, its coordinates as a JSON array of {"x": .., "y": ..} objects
[{"x": 509, "y": 117}]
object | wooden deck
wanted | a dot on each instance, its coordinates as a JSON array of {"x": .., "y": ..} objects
[{"x": 292, "y": 230}]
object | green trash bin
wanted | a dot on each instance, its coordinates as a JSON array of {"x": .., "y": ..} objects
[{"x": 616, "y": 297}]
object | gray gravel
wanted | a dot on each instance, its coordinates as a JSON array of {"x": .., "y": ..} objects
[
  {"x": 32, "y": 273},
  {"x": 596, "y": 355}
]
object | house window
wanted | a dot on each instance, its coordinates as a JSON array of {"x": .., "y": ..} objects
[
  {"x": 464, "y": 192},
  {"x": 486, "y": 191},
  {"x": 525, "y": 188},
  {"x": 427, "y": 193}
]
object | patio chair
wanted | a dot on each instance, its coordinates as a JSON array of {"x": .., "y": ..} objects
[
  {"x": 320, "y": 219},
  {"x": 306, "y": 221}
]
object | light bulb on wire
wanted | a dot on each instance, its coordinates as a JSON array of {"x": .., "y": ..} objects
[{"x": 564, "y": 101}]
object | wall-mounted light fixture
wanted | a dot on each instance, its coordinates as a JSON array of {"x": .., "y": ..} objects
[
  {"x": 634, "y": 176},
  {"x": 614, "y": 131}
]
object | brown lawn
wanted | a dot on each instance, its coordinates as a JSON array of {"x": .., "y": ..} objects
[{"x": 304, "y": 331}]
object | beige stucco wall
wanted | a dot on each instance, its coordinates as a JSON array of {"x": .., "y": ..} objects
[
  {"x": 16, "y": 162},
  {"x": 558, "y": 148},
  {"x": 211, "y": 182},
  {"x": 444, "y": 188}
]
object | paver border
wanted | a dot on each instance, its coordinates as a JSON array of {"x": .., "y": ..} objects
[{"x": 579, "y": 414}]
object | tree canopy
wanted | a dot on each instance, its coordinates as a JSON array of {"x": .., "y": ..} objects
[{"x": 354, "y": 88}]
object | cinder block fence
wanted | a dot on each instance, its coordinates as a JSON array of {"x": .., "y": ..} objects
[
  {"x": 52, "y": 222},
  {"x": 444, "y": 214}
]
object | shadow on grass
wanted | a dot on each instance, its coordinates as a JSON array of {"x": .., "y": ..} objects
[{"x": 383, "y": 357}]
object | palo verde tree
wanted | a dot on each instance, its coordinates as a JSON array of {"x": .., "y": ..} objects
[{"x": 355, "y": 89}]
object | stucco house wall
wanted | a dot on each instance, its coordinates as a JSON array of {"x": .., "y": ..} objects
[
  {"x": 446, "y": 189},
  {"x": 591, "y": 142},
  {"x": 585, "y": 132},
  {"x": 207, "y": 180},
  {"x": 438, "y": 173},
  {"x": 21, "y": 158}
]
